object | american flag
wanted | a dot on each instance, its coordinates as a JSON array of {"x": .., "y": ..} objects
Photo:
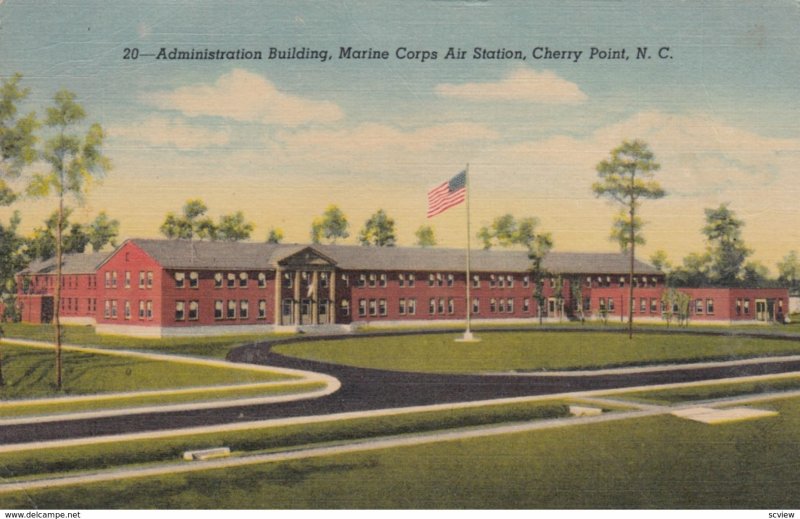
[{"x": 447, "y": 194}]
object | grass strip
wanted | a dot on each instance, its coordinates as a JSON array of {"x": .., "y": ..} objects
[
  {"x": 223, "y": 393},
  {"x": 712, "y": 391},
  {"x": 55, "y": 460}
]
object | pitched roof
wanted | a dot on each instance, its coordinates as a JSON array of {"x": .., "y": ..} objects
[
  {"x": 79, "y": 263},
  {"x": 239, "y": 255}
]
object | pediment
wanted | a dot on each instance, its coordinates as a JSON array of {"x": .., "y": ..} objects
[{"x": 308, "y": 257}]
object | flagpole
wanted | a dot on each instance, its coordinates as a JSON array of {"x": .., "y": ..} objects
[{"x": 468, "y": 333}]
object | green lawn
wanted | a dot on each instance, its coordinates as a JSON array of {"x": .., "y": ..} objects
[
  {"x": 505, "y": 351},
  {"x": 133, "y": 452},
  {"x": 712, "y": 391},
  {"x": 86, "y": 336},
  {"x": 655, "y": 462},
  {"x": 30, "y": 373}
]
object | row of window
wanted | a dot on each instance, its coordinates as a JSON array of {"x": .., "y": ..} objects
[
  {"x": 111, "y": 309},
  {"x": 145, "y": 279},
  {"x": 306, "y": 279},
  {"x": 437, "y": 306},
  {"x": 607, "y": 281},
  {"x": 71, "y": 304}
]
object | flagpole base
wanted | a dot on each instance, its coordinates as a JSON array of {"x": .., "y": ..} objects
[{"x": 468, "y": 337}]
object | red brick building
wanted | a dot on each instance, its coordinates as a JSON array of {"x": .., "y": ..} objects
[{"x": 179, "y": 287}]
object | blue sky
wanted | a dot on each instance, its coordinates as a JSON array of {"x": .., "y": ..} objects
[{"x": 282, "y": 139}]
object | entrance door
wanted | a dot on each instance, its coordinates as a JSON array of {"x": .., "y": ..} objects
[
  {"x": 47, "y": 310},
  {"x": 305, "y": 311},
  {"x": 761, "y": 310}
]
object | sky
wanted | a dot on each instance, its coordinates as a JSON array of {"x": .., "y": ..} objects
[{"x": 281, "y": 139}]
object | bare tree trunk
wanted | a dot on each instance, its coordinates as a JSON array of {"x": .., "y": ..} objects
[
  {"x": 630, "y": 273},
  {"x": 57, "y": 298}
]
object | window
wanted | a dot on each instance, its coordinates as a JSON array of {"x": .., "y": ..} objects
[
  {"x": 194, "y": 280},
  {"x": 401, "y": 306},
  {"x": 709, "y": 306},
  {"x": 218, "y": 280},
  {"x": 653, "y": 305},
  {"x": 510, "y": 281},
  {"x": 262, "y": 280},
  {"x": 127, "y": 279},
  {"x": 372, "y": 280},
  {"x": 411, "y": 280},
  {"x": 362, "y": 307},
  {"x": 373, "y": 307},
  {"x": 526, "y": 305},
  {"x": 362, "y": 280},
  {"x": 589, "y": 281},
  {"x": 194, "y": 310},
  {"x": 698, "y": 306},
  {"x": 382, "y": 280},
  {"x": 149, "y": 309},
  {"x": 149, "y": 279},
  {"x": 412, "y": 307},
  {"x": 141, "y": 309},
  {"x": 323, "y": 307},
  {"x": 643, "y": 305},
  {"x": 346, "y": 280},
  {"x": 501, "y": 305},
  {"x": 344, "y": 307},
  {"x": 287, "y": 280},
  {"x": 432, "y": 306},
  {"x": 231, "y": 280},
  {"x": 451, "y": 306},
  {"x": 476, "y": 306},
  {"x": 431, "y": 280},
  {"x": 107, "y": 309},
  {"x": 286, "y": 307},
  {"x": 611, "y": 305},
  {"x": 218, "y": 309},
  {"x": 323, "y": 279},
  {"x": 501, "y": 282},
  {"x": 739, "y": 306},
  {"x": 439, "y": 279},
  {"x": 622, "y": 281},
  {"x": 526, "y": 281},
  {"x": 510, "y": 305},
  {"x": 113, "y": 308},
  {"x": 231, "y": 313},
  {"x": 441, "y": 305},
  {"x": 180, "y": 310},
  {"x": 243, "y": 279},
  {"x": 127, "y": 310},
  {"x": 262, "y": 309},
  {"x": 244, "y": 309},
  {"x": 114, "y": 279},
  {"x": 401, "y": 280},
  {"x": 180, "y": 279},
  {"x": 108, "y": 279},
  {"x": 492, "y": 281},
  {"x": 476, "y": 281},
  {"x": 492, "y": 305},
  {"x": 602, "y": 306},
  {"x": 382, "y": 306},
  {"x": 450, "y": 280}
]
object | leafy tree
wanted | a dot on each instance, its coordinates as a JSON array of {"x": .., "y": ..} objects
[
  {"x": 627, "y": 177},
  {"x": 537, "y": 250},
  {"x": 75, "y": 159},
  {"x": 728, "y": 253},
  {"x": 660, "y": 261},
  {"x": 755, "y": 274},
  {"x": 17, "y": 139},
  {"x": 102, "y": 231},
  {"x": 378, "y": 230},
  {"x": 330, "y": 226},
  {"x": 17, "y": 150},
  {"x": 192, "y": 223},
  {"x": 275, "y": 235},
  {"x": 694, "y": 272},
  {"x": 789, "y": 271},
  {"x": 233, "y": 227},
  {"x": 12, "y": 250},
  {"x": 425, "y": 236},
  {"x": 507, "y": 231}
]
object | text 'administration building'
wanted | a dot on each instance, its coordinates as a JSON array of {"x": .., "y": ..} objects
[{"x": 179, "y": 287}]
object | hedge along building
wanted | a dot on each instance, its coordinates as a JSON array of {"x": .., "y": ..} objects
[{"x": 178, "y": 287}]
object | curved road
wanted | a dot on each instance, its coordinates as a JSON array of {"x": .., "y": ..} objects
[{"x": 366, "y": 389}]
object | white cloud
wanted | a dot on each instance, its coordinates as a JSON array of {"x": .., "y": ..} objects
[
  {"x": 246, "y": 97},
  {"x": 522, "y": 84},
  {"x": 170, "y": 132}
]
